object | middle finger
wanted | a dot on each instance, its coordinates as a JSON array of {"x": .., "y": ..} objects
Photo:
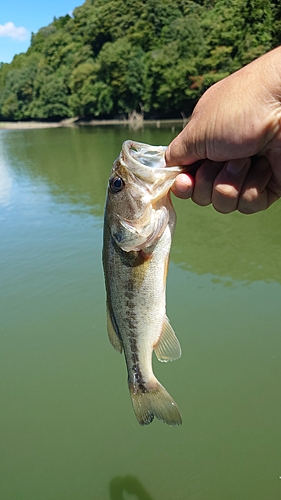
[
  {"x": 204, "y": 180},
  {"x": 228, "y": 184}
]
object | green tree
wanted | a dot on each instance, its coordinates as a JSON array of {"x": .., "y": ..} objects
[
  {"x": 89, "y": 96},
  {"x": 114, "y": 57},
  {"x": 52, "y": 102},
  {"x": 17, "y": 93},
  {"x": 121, "y": 67}
]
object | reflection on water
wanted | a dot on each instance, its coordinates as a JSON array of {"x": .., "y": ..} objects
[
  {"x": 73, "y": 165},
  {"x": 67, "y": 424},
  {"x": 119, "y": 486},
  {"x": 235, "y": 246}
]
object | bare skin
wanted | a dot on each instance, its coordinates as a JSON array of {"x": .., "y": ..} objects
[{"x": 232, "y": 142}]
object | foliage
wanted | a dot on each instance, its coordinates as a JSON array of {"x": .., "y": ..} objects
[{"x": 154, "y": 56}]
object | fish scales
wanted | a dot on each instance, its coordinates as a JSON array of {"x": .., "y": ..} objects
[{"x": 138, "y": 227}]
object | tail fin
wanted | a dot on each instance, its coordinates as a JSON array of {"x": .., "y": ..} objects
[{"x": 154, "y": 401}]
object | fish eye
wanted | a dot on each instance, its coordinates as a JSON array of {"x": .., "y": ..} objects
[{"x": 116, "y": 184}]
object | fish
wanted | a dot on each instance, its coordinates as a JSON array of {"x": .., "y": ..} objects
[{"x": 139, "y": 222}]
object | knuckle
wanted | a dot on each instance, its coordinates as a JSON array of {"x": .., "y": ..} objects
[
  {"x": 252, "y": 201},
  {"x": 248, "y": 209},
  {"x": 224, "y": 209},
  {"x": 226, "y": 190},
  {"x": 250, "y": 195},
  {"x": 201, "y": 198},
  {"x": 201, "y": 202}
]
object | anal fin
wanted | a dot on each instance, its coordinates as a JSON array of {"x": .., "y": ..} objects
[
  {"x": 168, "y": 347},
  {"x": 113, "y": 335}
]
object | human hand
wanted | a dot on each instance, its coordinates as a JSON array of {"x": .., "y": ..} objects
[{"x": 232, "y": 143}]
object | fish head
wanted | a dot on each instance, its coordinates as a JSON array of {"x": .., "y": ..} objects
[{"x": 137, "y": 207}]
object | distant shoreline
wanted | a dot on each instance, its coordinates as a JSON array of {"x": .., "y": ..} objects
[{"x": 74, "y": 122}]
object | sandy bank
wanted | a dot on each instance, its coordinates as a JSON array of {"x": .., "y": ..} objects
[
  {"x": 33, "y": 124},
  {"x": 74, "y": 122}
]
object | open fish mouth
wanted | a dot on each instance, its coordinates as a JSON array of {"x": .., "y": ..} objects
[{"x": 147, "y": 162}]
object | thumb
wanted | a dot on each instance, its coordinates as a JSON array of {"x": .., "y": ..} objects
[{"x": 180, "y": 151}]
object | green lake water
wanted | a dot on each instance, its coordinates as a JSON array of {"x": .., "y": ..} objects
[{"x": 67, "y": 427}]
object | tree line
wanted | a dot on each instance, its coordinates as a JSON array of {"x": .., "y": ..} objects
[{"x": 152, "y": 56}]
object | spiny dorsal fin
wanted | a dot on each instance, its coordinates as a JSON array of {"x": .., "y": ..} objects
[
  {"x": 168, "y": 347},
  {"x": 112, "y": 335}
]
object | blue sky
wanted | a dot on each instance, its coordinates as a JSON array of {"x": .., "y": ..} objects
[{"x": 18, "y": 18}]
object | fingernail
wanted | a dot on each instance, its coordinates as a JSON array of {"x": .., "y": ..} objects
[
  {"x": 236, "y": 166},
  {"x": 183, "y": 183}
]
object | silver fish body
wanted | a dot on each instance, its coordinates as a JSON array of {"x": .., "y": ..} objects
[{"x": 138, "y": 228}]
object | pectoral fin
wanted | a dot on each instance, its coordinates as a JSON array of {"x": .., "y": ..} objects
[
  {"x": 168, "y": 347},
  {"x": 112, "y": 335}
]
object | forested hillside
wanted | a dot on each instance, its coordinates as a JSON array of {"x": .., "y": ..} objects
[{"x": 155, "y": 56}]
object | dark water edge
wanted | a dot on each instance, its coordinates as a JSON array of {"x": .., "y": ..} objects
[{"x": 135, "y": 124}]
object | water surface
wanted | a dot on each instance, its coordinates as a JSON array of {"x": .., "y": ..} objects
[{"x": 68, "y": 430}]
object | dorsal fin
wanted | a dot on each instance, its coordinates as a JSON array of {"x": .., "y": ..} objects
[
  {"x": 168, "y": 347},
  {"x": 113, "y": 335}
]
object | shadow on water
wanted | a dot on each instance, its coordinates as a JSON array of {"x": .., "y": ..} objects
[{"x": 127, "y": 484}]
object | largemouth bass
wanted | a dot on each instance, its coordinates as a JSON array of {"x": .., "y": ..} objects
[{"x": 138, "y": 228}]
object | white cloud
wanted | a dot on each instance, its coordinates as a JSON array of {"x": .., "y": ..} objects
[{"x": 11, "y": 31}]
